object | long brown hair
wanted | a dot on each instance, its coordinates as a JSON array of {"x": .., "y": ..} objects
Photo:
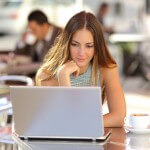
[{"x": 60, "y": 53}]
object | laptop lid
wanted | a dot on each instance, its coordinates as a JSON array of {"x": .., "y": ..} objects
[{"x": 57, "y": 112}]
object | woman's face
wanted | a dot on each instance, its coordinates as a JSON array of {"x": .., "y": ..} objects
[{"x": 82, "y": 48}]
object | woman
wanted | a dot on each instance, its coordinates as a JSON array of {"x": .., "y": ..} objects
[{"x": 80, "y": 57}]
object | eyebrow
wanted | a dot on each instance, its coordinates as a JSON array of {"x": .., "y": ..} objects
[{"x": 79, "y": 43}]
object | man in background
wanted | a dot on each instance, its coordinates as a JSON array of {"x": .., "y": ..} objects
[
  {"x": 39, "y": 37},
  {"x": 102, "y": 12},
  {"x": 34, "y": 44}
]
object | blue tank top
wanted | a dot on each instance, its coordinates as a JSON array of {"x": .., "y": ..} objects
[{"x": 84, "y": 79}]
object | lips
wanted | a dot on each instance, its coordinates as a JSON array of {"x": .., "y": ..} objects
[{"x": 81, "y": 59}]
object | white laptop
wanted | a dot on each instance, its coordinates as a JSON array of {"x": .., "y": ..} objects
[{"x": 58, "y": 113}]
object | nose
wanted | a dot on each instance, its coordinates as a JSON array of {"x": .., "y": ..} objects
[{"x": 81, "y": 51}]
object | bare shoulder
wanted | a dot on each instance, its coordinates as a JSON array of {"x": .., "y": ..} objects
[
  {"x": 43, "y": 79},
  {"x": 108, "y": 74},
  {"x": 107, "y": 71}
]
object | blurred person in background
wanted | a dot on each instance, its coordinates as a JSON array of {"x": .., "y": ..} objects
[
  {"x": 34, "y": 43},
  {"x": 38, "y": 38},
  {"x": 80, "y": 57},
  {"x": 102, "y": 12}
]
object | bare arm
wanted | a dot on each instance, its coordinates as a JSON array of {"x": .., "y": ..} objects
[
  {"x": 42, "y": 79},
  {"x": 63, "y": 75},
  {"x": 115, "y": 99}
]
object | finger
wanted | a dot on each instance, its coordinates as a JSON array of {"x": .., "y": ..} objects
[
  {"x": 72, "y": 61},
  {"x": 77, "y": 72}
]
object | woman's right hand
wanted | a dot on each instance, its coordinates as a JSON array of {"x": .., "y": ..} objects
[{"x": 64, "y": 72}]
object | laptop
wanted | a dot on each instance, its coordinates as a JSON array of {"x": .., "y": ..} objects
[{"x": 58, "y": 113}]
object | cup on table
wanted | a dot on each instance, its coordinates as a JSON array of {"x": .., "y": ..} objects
[{"x": 138, "y": 120}]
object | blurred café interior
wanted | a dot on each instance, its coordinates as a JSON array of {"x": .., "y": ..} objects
[{"x": 126, "y": 26}]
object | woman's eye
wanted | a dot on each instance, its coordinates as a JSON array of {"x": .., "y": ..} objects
[
  {"x": 73, "y": 44},
  {"x": 89, "y": 46}
]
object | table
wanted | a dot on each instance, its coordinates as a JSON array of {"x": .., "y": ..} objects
[
  {"x": 22, "y": 69},
  {"x": 17, "y": 64},
  {"x": 128, "y": 37},
  {"x": 119, "y": 140},
  {"x": 8, "y": 43}
]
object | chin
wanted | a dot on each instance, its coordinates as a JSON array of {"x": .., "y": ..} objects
[{"x": 81, "y": 64}]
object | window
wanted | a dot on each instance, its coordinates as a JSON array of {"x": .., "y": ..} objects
[
  {"x": 10, "y": 3},
  {"x": 62, "y": 2}
]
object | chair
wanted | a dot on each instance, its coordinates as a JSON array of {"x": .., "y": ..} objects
[{"x": 5, "y": 82}]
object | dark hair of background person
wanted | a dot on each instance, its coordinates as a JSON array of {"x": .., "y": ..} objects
[
  {"x": 104, "y": 5},
  {"x": 101, "y": 14},
  {"x": 102, "y": 11},
  {"x": 38, "y": 16}
]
